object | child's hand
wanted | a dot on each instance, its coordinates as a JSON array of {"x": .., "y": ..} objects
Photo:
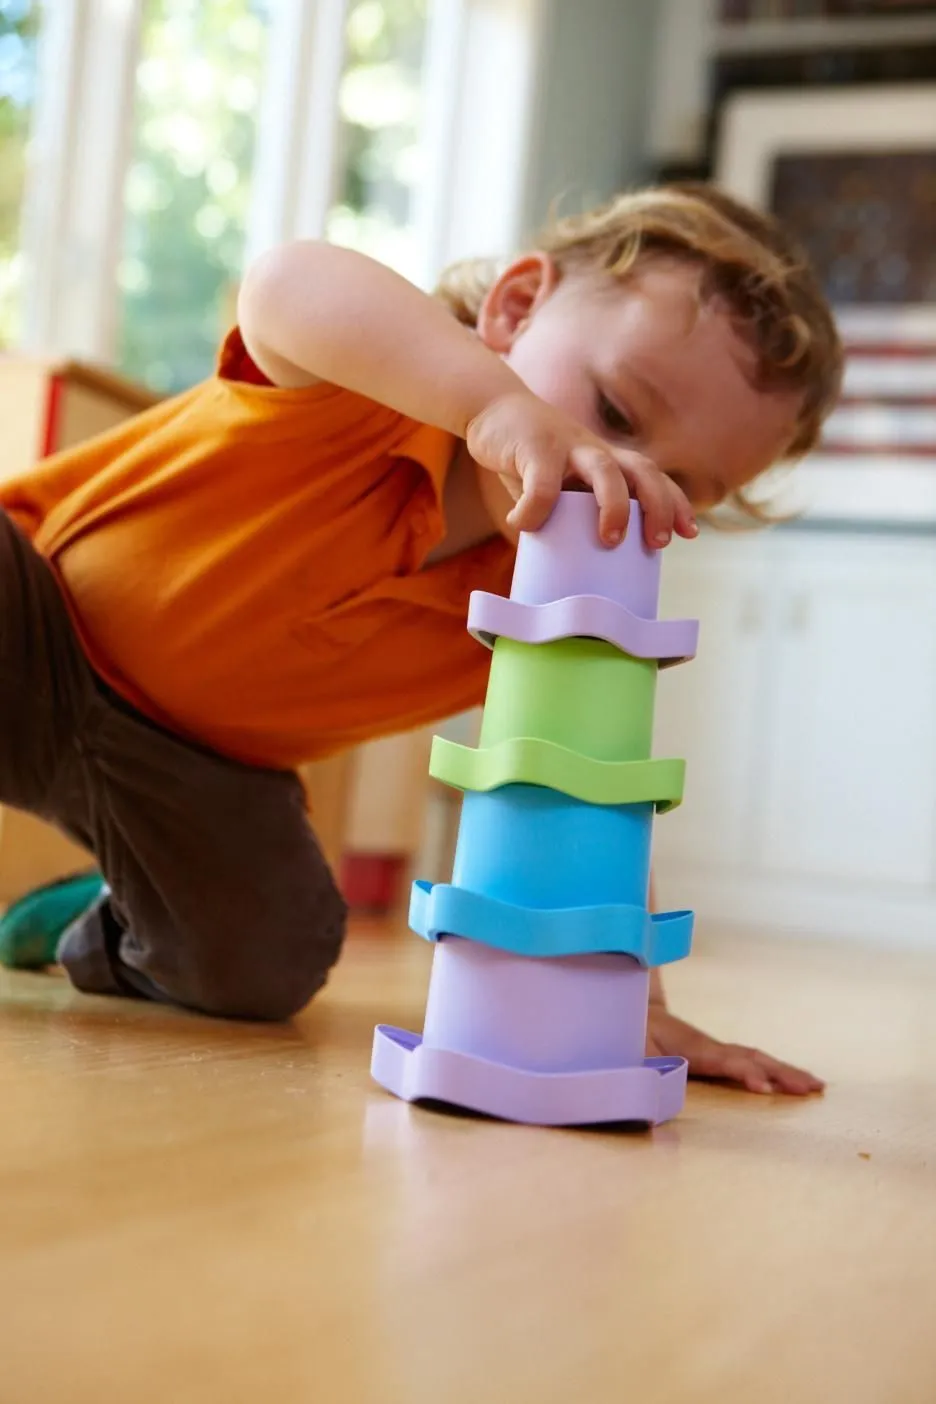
[
  {"x": 724, "y": 1062},
  {"x": 534, "y": 448}
]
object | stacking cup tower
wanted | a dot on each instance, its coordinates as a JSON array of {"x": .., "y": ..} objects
[{"x": 537, "y": 1005}]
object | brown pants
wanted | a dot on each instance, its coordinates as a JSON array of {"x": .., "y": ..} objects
[{"x": 220, "y": 899}]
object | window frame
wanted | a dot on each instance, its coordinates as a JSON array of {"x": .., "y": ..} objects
[
  {"x": 480, "y": 81},
  {"x": 78, "y": 155}
]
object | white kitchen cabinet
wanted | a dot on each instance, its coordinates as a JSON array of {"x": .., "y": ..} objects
[
  {"x": 849, "y": 775},
  {"x": 808, "y": 722},
  {"x": 710, "y": 709}
]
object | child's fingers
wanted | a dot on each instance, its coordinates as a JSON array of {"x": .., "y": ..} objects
[
  {"x": 658, "y": 496},
  {"x": 513, "y": 484},
  {"x": 741, "y": 1066},
  {"x": 654, "y": 494},
  {"x": 615, "y": 475},
  {"x": 796, "y": 1082},
  {"x": 727, "y": 1063},
  {"x": 602, "y": 472},
  {"x": 751, "y": 1069},
  {"x": 760, "y": 1073},
  {"x": 684, "y": 518},
  {"x": 542, "y": 483}
]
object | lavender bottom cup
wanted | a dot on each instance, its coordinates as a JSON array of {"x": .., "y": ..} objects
[{"x": 554, "y": 1042}]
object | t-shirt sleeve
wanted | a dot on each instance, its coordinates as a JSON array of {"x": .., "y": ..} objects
[
  {"x": 236, "y": 364},
  {"x": 360, "y": 422},
  {"x": 433, "y": 450}
]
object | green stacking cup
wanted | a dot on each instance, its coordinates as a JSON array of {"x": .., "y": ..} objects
[{"x": 582, "y": 694}]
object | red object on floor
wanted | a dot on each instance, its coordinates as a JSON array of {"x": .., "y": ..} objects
[{"x": 371, "y": 881}]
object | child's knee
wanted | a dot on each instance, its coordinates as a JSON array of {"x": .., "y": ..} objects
[
  {"x": 241, "y": 960},
  {"x": 266, "y": 975}
]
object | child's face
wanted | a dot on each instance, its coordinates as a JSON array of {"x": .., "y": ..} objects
[{"x": 645, "y": 365}]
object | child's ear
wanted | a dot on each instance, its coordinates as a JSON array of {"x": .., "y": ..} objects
[{"x": 512, "y": 300}]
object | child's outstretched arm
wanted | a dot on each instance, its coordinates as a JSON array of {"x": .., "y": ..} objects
[
  {"x": 715, "y": 1061},
  {"x": 310, "y": 311}
]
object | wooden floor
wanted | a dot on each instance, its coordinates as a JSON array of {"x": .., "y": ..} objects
[{"x": 196, "y": 1213}]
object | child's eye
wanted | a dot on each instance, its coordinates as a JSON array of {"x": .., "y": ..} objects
[{"x": 612, "y": 418}]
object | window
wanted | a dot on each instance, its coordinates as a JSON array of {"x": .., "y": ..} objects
[
  {"x": 173, "y": 139},
  {"x": 380, "y": 147},
  {"x": 18, "y": 29},
  {"x": 199, "y": 75}
]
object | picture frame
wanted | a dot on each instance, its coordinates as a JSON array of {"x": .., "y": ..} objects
[
  {"x": 743, "y": 12},
  {"x": 852, "y": 172},
  {"x": 758, "y": 127}
]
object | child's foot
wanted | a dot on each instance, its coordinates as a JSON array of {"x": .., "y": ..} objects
[{"x": 30, "y": 930}]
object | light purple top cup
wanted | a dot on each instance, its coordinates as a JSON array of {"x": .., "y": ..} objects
[{"x": 566, "y": 558}]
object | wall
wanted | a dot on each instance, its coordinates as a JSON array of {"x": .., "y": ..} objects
[
  {"x": 591, "y": 124},
  {"x": 678, "y": 88}
]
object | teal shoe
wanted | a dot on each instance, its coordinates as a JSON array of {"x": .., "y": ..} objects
[{"x": 30, "y": 930}]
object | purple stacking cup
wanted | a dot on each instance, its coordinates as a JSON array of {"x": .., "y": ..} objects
[
  {"x": 566, "y": 584},
  {"x": 553, "y": 1042},
  {"x": 566, "y": 558}
]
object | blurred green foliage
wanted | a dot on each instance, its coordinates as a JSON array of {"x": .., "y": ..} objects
[
  {"x": 19, "y": 21},
  {"x": 200, "y": 81},
  {"x": 198, "y": 89}
]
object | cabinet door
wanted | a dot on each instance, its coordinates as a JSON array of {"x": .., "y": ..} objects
[
  {"x": 850, "y": 763},
  {"x": 710, "y": 711}
]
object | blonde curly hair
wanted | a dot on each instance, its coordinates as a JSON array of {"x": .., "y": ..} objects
[{"x": 746, "y": 259}]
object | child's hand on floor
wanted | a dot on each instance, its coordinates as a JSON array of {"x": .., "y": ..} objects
[{"x": 724, "y": 1062}]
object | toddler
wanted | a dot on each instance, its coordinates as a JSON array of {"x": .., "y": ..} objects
[{"x": 276, "y": 564}]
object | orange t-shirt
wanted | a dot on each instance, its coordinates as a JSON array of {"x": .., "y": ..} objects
[{"x": 243, "y": 564}]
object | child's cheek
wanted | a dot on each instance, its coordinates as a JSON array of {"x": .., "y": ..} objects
[{"x": 557, "y": 375}]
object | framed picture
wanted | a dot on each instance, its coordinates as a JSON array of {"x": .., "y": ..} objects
[
  {"x": 751, "y": 11},
  {"x": 863, "y": 158},
  {"x": 852, "y": 172}
]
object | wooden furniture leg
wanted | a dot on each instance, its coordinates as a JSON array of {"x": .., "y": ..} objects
[{"x": 33, "y": 853}]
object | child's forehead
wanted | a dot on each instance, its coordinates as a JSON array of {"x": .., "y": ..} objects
[
  {"x": 659, "y": 319},
  {"x": 662, "y": 278},
  {"x": 659, "y": 301}
]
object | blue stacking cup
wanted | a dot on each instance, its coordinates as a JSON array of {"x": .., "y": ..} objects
[{"x": 535, "y": 847}]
